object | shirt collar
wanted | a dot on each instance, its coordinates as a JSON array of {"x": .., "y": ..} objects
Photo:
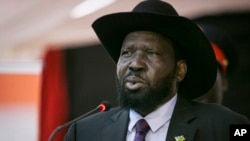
[{"x": 157, "y": 118}]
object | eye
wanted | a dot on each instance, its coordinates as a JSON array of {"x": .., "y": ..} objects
[
  {"x": 150, "y": 52},
  {"x": 126, "y": 53}
]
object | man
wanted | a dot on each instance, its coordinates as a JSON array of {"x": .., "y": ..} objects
[
  {"x": 224, "y": 50},
  {"x": 163, "y": 62}
]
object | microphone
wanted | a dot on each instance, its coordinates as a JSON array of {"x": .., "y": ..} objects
[{"x": 102, "y": 107}]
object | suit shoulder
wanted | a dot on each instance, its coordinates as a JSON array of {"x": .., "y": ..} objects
[
  {"x": 219, "y": 112},
  {"x": 100, "y": 115},
  {"x": 89, "y": 128}
]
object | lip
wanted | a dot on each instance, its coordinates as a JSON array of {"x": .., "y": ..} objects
[
  {"x": 134, "y": 79},
  {"x": 133, "y": 83}
]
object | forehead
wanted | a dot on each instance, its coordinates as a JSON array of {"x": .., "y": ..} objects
[{"x": 148, "y": 38}]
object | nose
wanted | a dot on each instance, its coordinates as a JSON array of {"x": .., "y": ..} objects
[{"x": 137, "y": 63}]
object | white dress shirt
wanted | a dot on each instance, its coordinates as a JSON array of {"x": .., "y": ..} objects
[{"x": 158, "y": 122}]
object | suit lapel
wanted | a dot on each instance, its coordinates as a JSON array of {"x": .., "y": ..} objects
[
  {"x": 179, "y": 124},
  {"x": 116, "y": 128}
]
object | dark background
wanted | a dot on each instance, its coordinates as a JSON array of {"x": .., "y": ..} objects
[
  {"x": 91, "y": 78},
  {"x": 238, "y": 26}
]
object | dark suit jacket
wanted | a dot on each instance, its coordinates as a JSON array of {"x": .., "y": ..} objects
[{"x": 195, "y": 121}]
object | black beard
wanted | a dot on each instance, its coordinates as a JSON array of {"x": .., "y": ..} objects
[{"x": 146, "y": 100}]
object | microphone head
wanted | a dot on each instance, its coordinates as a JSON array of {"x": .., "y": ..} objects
[{"x": 104, "y": 106}]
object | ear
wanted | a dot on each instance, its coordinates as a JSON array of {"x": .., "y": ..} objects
[{"x": 181, "y": 70}]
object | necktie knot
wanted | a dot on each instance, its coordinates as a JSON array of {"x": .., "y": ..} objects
[{"x": 141, "y": 130}]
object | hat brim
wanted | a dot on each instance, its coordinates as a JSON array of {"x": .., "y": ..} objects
[
  {"x": 224, "y": 41},
  {"x": 111, "y": 30}
]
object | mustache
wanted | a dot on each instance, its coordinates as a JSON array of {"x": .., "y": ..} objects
[
  {"x": 134, "y": 77},
  {"x": 131, "y": 73}
]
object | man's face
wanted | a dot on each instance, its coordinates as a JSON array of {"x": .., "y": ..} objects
[{"x": 146, "y": 71}]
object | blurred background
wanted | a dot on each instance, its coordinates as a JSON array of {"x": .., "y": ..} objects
[{"x": 53, "y": 68}]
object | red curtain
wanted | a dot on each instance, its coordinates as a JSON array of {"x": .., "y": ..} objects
[{"x": 54, "y": 98}]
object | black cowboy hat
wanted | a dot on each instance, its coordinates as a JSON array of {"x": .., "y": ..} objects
[{"x": 161, "y": 17}]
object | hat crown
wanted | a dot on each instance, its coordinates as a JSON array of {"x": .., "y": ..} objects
[{"x": 156, "y": 6}]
